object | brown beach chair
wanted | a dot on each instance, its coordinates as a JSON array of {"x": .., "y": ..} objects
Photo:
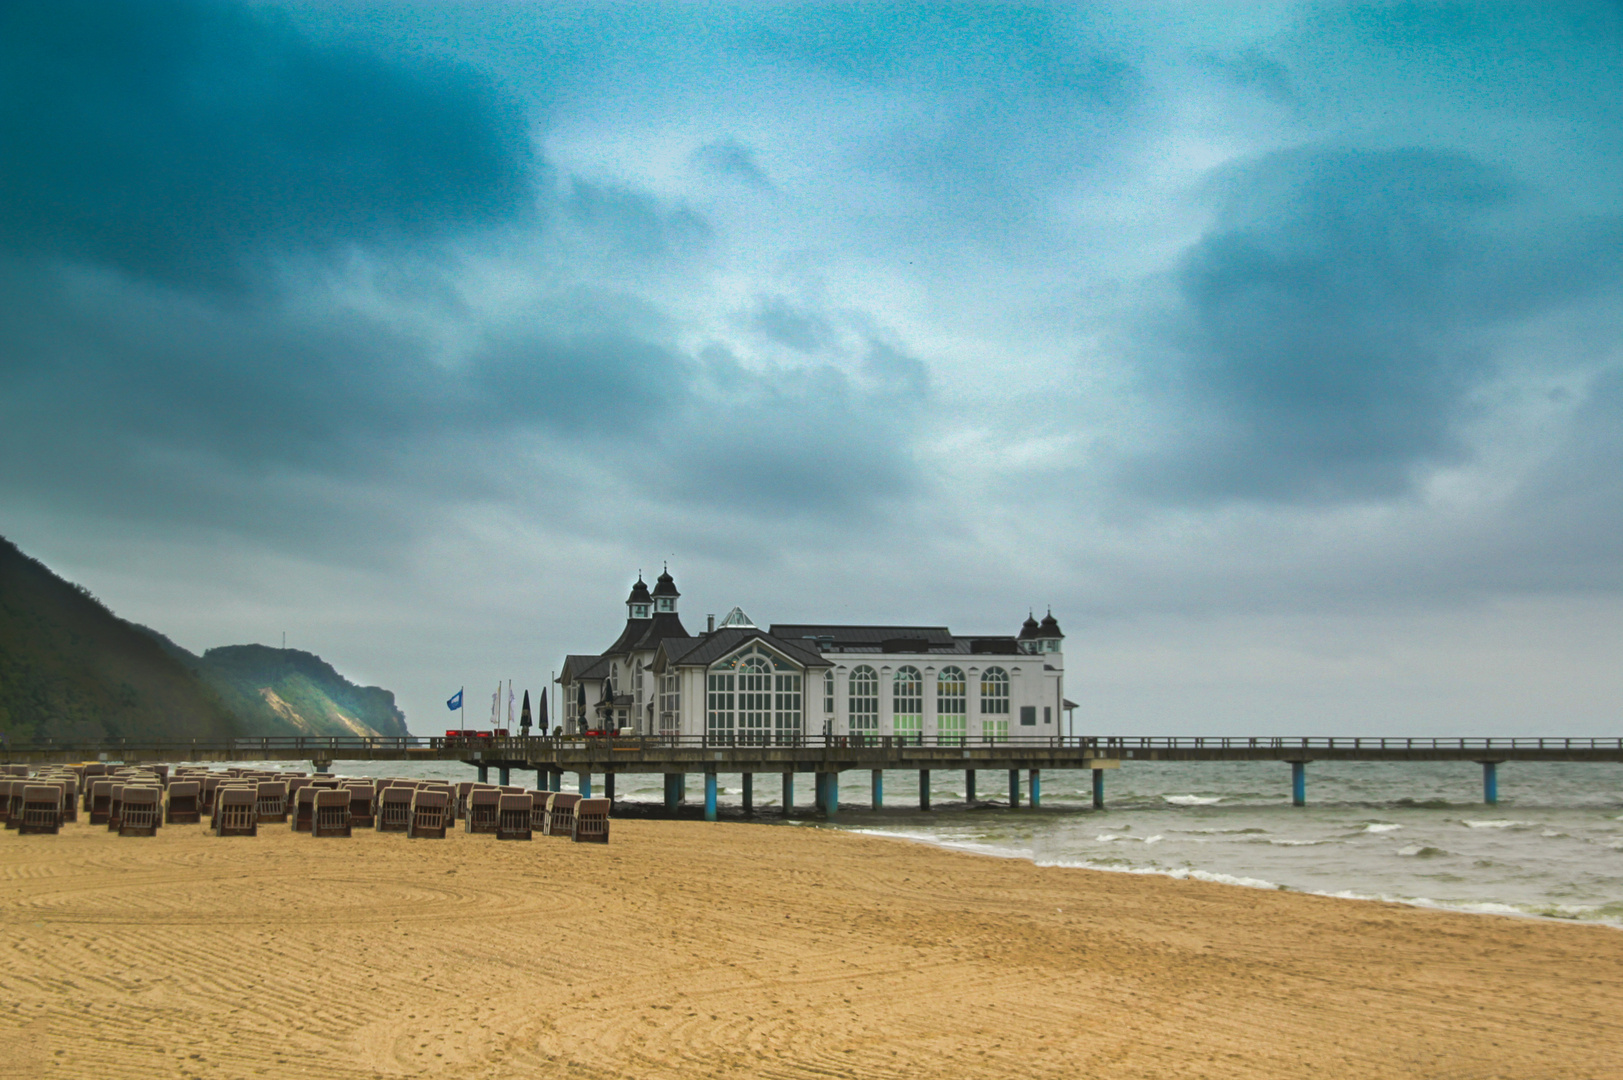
[
  {"x": 236, "y": 811},
  {"x": 561, "y": 814},
  {"x": 362, "y": 809},
  {"x": 394, "y": 809},
  {"x": 70, "y": 797},
  {"x": 183, "y": 809},
  {"x": 513, "y": 817},
  {"x": 5, "y": 804},
  {"x": 115, "y": 804},
  {"x": 141, "y": 811},
  {"x": 538, "y": 811},
  {"x": 99, "y": 800},
  {"x": 271, "y": 799},
  {"x": 482, "y": 807},
  {"x": 330, "y": 816},
  {"x": 429, "y": 811},
  {"x": 462, "y": 789},
  {"x": 211, "y": 783},
  {"x": 591, "y": 822},
  {"x": 41, "y": 809},
  {"x": 303, "y": 809}
]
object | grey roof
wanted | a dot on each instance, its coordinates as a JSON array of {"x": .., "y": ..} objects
[
  {"x": 713, "y": 646},
  {"x": 847, "y": 637},
  {"x": 578, "y": 667},
  {"x": 665, "y": 625},
  {"x": 666, "y": 585}
]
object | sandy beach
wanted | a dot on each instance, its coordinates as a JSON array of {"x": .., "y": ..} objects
[{"x": 685, "y": 949}]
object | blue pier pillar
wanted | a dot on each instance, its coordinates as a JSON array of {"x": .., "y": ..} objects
[
  {"x": 484, "y": 774},
  {"x": 586, "y": 785},
  {"x": 1098, "y": 789},
  {"x": 749, "y": 793},
  {"x": 1490, "y": 783},
  {"x": 924, "y": 789},
  {"x": 608, "y": 785},
  {"x": 673, "y": 791},
  {"x": 1014, "y": 788},
  {"x": 969, "y": 787},
  {"x": 543, "y": 779},
  {"x": 1298, "y": 783},
  {"x": 828, "y": 794},
  {"x": 1035, "y": 779},
  {"x": 710, "y": 795},
  {"x": 557, "y": 778},
  {"x": 879, "y": 789},
  {"x": 788, "y": 793},
  {"x": 506, "y": 773}
]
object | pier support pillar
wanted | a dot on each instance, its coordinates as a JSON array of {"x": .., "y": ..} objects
[
  {"x": 749, "y": 794},
  {"x": 322, "y": 768},
  {"x": 1035, "y": 779},
  {"x": 1490, "y": 783},
  {"x": 969, "y": 787},
  {"x": 608, "y": 786},
  {"x": 828, "y": 794},
  {"x": 484, "y": 774},
  {"x": 710, "y": 795},
  {"x": 506, "y": 773},
  {"x": 543, "y": 779},
  {"x": 586, "y": 785},
  {"x": 879, "y": 789},
  {"x": 1014, "y": 788},
  {"x": 924, "y": 789},
  {"x": 556, "y": 776},
  {"x": 1098, "y": 789},
  {"x": 788, "y": 793},
  {"x": 1298, "y": 783},
  {"x": 673, "y": 791}
]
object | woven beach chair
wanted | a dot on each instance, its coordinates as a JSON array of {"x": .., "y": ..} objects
[
  {"x": 591, "y": 822},
  {"x": 40, "y": 809},
  {"x": 303, "y": 809},
  {"x": 270, "y": 797},
  {"x": 462, "y": 789},
  {"x": 538, "y": 811},
  {"x": 429, "y": 813},
  {"x": 98, "y": 800},
  {"x": 513, "y": 817},
  {"x": 394, "y": 808},
  {"x": 561, "y": 814},
  {"x": 330, "y": 812},
  {"x": 182, "y": 808},
  {"x": 115, "y": 804},
  {"x": 5, "y": 803},
  {"x": 482, "y": 805},
  {"x": 361, "y": 806},
  {"x": 141, "y": 811},
  {"x": 236, "y": 811},
  {"x": 70, "y": 797}
]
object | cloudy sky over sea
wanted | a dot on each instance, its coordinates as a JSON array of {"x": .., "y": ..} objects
[{"x": 1276, "y": 347}]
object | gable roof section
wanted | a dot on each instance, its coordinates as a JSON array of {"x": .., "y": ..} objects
[
  {"x": 862, "y": 638},
  {"x": 706, "y": 650},
  {"x": 578, "y": 667}
]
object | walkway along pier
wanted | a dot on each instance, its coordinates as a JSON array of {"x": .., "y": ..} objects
[{"x": 825, "y": 757}]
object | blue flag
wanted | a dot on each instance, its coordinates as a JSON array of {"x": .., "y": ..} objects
[{"x": 456, "y": 701}]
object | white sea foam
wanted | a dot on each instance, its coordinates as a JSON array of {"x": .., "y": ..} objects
[
  {"x": 1193, "y": 800},
  {"x": 1496, "y": 823},
  {"x": 1381, "y": 826}
]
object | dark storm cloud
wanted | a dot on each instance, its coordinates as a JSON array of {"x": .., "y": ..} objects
[
  {"x": 1335, "y": 320},
  {"x": 182, "y": 139},
  {"x": 635, "y": 223}
]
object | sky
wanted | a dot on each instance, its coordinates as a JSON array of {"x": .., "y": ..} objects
[{"x": 1275, "y": 348}]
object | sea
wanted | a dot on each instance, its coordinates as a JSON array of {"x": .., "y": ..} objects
[{"x": 1412, "y": 833}]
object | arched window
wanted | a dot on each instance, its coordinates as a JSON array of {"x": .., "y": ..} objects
[
  {"x": 864, "y": 697},
  {"x": 786, "y": 711},
  {"x": 951, "y": 721},
  {"x": 754, "y": 700},
  {"x": 670, "y": 703},
  {"x": 828, "y": 692},
  {"x": 907, "y": 702},
  {"x": 995, "y": 704},
  {"x": 638, "y": 716}
]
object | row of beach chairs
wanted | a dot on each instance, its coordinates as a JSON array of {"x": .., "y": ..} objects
[{"x": 138, "y": 801}]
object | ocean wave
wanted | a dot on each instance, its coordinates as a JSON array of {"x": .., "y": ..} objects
[
  {"x": 1193, "y": 800},
  {"x": 1421, "y": 851},
  {"x": 1223, "y": 832},
  {"x": 1497, "y": 823},
  {"x": 1296, "y": 843},
  {"x": 1381, "y": 826}
]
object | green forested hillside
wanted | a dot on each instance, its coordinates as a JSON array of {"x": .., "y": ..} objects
[
  {"x": 297, "y": 693},
  {"x": 72, "y": 670}
]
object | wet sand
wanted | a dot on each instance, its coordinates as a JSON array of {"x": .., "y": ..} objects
[{"x": 685, "y": 950}]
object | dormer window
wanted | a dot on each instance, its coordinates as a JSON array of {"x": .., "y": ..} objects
[
  {"x": 639, "y": 611},
  {"x": 667, "y": 604}
]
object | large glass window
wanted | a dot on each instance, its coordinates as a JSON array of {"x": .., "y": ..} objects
[
  {"x": 719, "y": 706},
  {"x": 670, "y": 703},
  {"x": 994, "y": 704},
  {"x": 907, "y": 702},
  {"x": 864, "y": 699},
  {"x": 637, "y": 697},
  {"x": 786, "y": 711},
  {"x": 754, "y": 700},
  {"x": 828, "y": 692},
  {"x": 951, "y": 721}
]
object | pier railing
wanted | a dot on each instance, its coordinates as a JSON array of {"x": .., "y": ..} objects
[{"x": 521, "y": 746}]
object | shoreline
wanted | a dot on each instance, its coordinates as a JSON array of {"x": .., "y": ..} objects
[{"x": 685, "y": 948}]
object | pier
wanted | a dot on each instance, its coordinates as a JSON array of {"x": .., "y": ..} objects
[{"x": 826, "y": 757}]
